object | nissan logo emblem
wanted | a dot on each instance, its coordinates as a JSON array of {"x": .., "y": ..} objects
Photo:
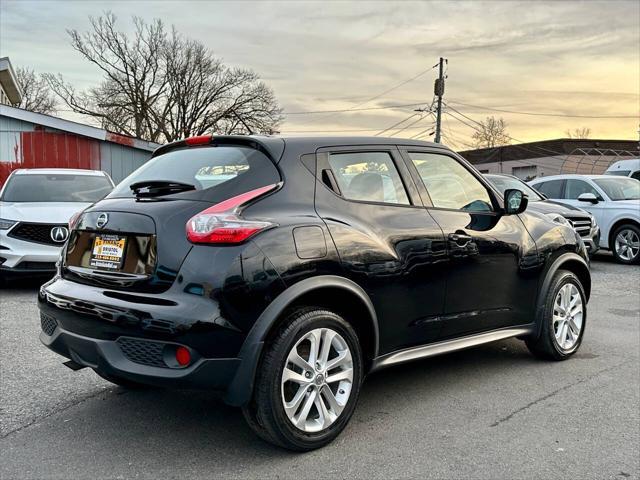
[
  {"x": 59, "y": 234},
  {"x": 102, "y": 220}
]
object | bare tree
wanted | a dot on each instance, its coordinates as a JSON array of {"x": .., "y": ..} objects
[
  {"x": 162, "y": 86},
  {"x": 581, "y": 133},
  {"x": 491, "y": 133},
  {"x": 36, "y": 93}
]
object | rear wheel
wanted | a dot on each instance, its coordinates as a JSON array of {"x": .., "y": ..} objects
[
  {"x": 308, "y": 381},
  {"x": 563, "y": 317},
  {"x": 626, "y": 244}
]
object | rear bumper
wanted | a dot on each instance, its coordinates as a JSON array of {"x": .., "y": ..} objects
[
  {"x": 88, "y": 325},
  {"x": 107, "y": 357}
]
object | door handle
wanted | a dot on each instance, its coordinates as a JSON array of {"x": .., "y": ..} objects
[{"x": 461, "y": 239}]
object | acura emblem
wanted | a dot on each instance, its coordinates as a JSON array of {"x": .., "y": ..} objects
[
  {"x": 103, "y": 218},
  {"x": 59, "y": 234}
]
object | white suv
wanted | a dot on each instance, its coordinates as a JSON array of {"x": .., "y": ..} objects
[
  {"x": 35, "y": 208},
  {"x": 614, "y": 202}
]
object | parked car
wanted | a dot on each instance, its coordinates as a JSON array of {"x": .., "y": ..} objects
[
  {"x": 625, "y": 168},
  {"x": 35, "y": 207},
  {"x": 285, "y": 285},
  {"x": 613, "y": 201},
  {"x": 580, "y": 220}
]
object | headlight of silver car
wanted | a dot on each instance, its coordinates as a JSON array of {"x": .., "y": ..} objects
[
  {"x": 6, "y": 224},
  {"x": 556, "y": 217}
]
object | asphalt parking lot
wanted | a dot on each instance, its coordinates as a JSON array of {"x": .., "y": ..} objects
[{"x": 489, "y": 412}]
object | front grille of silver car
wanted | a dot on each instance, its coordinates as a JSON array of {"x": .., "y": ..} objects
[
  {"x": 581, "y": 225},
  {"x": 35, "y": 232}
]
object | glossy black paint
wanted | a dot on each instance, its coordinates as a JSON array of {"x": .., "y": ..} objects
[{"x": 405, "y": 275}]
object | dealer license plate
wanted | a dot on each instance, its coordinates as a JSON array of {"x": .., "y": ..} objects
[{"x": 108, "y": 252}]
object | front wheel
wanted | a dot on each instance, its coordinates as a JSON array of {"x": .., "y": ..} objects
[
  {"x": 563, "y": 316},
  {"x": 308, "y": 381},
  {"x": 626, "y": 244}
]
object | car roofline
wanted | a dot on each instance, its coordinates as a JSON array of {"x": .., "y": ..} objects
[{"x": 58, "y": 171}]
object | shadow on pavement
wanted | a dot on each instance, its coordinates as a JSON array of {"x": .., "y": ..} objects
[{"x": 165, "y": 429}]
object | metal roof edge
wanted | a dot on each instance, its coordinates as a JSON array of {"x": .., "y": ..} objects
[{"x": 75, "y": 127}]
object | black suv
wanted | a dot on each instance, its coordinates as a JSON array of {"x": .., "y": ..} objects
[{"x": 281, "y": 271}]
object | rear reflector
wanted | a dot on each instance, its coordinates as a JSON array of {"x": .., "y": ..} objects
[
  {"x": 183, "y": 356},
  {"x": 200, "y": 140},
  {"x": 222, "y": 224}
]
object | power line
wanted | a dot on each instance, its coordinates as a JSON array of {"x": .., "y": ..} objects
[
  {"x": 313, "y": 112},
  {"x": 345, "y": 130},
  {"x": 375, "y": 97},
  {"x": 396, "y": 86},
  {"x": 409, "y": 126},
  {"x": 540, "y": 114},
  {"x": 396, "y": 124}
]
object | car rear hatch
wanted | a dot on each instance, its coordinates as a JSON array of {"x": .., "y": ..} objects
[{"x": 138, "y": 237}]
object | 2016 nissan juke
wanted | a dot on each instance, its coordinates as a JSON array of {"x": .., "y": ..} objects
[{"x": 281, "y": 271}]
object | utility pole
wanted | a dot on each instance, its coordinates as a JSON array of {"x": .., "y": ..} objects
[{"x": 438, "y": 90}]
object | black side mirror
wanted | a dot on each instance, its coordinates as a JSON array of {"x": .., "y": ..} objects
[
  {"x": 588, "y": 197},
  {"x": 515, "y": 201}
]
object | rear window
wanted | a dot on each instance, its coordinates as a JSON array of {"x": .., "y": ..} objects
[
  {"x": 216, "y": 172},
  {"x": 56, "y": 188}
]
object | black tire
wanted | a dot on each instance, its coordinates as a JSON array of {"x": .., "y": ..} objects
[
  {"x": 265, "y": 412},
  {"x": 123, "y": 382},
  {"x": 546, "y": 346},
  {"x": 633, "y": 228}
]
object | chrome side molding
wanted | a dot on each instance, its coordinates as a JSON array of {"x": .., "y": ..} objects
[{"x": 446, "y": 346}]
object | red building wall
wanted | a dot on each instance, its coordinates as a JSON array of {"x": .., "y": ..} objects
[{"x": 42, "y": 149}]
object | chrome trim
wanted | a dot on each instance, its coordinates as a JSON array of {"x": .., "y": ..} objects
[{"x": 447, "y": 346}]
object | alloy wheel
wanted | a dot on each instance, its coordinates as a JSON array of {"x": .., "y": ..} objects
[
  {"x": 568, "y": 316},
  {"x": 627, "y": 244},
  {"x": 317, "y": 380}
]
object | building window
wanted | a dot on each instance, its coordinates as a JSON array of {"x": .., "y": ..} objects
[{"x": 525, "y": 173}]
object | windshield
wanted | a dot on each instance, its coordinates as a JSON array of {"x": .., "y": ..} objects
[
  {"x": 502, "y": 183},
  {"x": 56, "y": 188},
  {"x": 213, "y": 171},
  {"x": 618, "y": 188},
  {"x": 619, "y": 173}
]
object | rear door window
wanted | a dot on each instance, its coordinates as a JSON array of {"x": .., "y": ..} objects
[
  {"x": 368, "y": 177},
  {"x": 216, "y": 172},
  {"x": 552, "y": 188}
]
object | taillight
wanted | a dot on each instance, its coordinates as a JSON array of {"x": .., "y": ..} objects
[
  {"x": 73, "y": 221},
  {"x": 222, "y": 224}
]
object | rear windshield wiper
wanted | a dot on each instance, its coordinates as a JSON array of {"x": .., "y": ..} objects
[{"x": 156, "y": 188}]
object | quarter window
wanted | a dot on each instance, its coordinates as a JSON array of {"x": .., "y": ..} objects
[
  {"x": 450, "y": 185},
  {"x": 368, "y": 177}
]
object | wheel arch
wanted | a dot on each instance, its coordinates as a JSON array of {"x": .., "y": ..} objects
[
  {"x": 572, "y": 262},
  {"x": 339, "y": 294},
  {"x": 618, "y": 223}
]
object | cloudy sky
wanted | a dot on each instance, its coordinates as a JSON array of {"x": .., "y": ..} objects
[{"x": 578, "y": 58}]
